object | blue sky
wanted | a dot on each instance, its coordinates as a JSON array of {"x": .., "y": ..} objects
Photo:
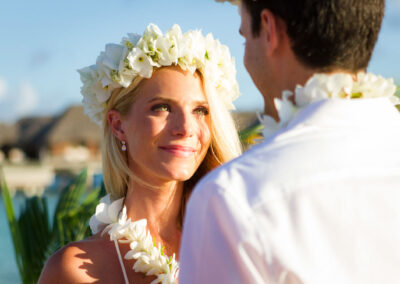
[{"x": 44, "y": 42}]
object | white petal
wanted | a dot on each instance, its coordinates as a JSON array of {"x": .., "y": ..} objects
[
  {"x": 129, "y": 255},
  {"x": 133, "y": 245},
  {"x": 114, "y": 209},
  {"x": 102, "y": 213},
  {"x": 94, "y": 224},
  {"x": 112, "y": 56}
]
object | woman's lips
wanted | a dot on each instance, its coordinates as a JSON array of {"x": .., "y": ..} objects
[{"x": 179, "y": 151}]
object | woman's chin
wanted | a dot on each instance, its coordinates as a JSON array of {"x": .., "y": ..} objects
[{"x": 180, "y": 174}]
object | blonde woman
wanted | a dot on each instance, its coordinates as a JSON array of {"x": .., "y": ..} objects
[{"x": 163, "y": 101}]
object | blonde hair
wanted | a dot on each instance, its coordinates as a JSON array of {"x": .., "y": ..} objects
[{"x": 224, "y": 146}]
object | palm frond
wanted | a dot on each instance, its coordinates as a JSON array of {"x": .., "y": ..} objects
[{"x": 34, "y": 238}]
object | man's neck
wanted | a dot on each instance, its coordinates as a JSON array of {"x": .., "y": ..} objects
[{"x": 286, "y": 80}]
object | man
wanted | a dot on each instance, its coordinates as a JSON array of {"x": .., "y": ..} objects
[{"x": 319, "y": 201}]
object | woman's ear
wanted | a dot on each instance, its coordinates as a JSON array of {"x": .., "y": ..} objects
[
  {"x": 115, "y": 122},
  {"x": 269, "y": 31}
]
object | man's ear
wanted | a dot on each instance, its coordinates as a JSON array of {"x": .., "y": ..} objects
[
  {"x": 269, "y": 31},
  {"x": 114, "y": 120}
]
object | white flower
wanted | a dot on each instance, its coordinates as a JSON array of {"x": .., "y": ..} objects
[
  {"x": 131, "y": 40},
  {"x": 195, "y": 47},
  {"x": 126, "y": 76},
  {"x": 163, "y": 46},
  {"x": 119, "y": 229},
  {"x": 140, "y": 62},
  {"x": 286, "y": 110},
  {"x": 111, "y": 57},
  {"x": 322, "y": 86},
  {"x": 372, "y": 86},
  {"x": 174, "y": 36},
  {"x": 106, "y": 213},
  {"x": 152, "y": 32}
]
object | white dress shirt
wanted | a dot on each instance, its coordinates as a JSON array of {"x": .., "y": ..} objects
[{"x": 317, "y": 203}]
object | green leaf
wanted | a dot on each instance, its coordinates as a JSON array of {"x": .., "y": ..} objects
[
  {"x": 36, "y": 235},
  {"x": 19, "y": 249},
  {"x": 69, "y": 200},
  {"x": 249, "y": 135}
]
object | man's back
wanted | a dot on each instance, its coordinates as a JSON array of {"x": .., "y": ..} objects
[{"x": 318, "y": 203}]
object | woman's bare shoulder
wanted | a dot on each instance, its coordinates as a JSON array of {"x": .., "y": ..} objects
[{"x": 73, "y": 263}]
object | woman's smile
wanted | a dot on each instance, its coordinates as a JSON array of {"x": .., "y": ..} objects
[{"x": 179, "y": 151}]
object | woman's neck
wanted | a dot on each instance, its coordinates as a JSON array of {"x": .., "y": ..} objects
[{"x": 159, "y": 205}]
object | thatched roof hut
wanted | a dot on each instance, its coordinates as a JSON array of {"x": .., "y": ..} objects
[
  {"x": 74, "y": 127},
  {"x": 50, "y": 136},
  {"x": 8, "y": 139},
  {"x": 8, "y": 134},
  {"x": 30, "y": 133}
]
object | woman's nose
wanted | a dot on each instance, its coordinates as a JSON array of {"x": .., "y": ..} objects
[{"x": 183, "y": 124}]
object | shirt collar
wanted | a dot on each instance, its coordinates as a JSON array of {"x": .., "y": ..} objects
[{"x": 352, "y": 113}]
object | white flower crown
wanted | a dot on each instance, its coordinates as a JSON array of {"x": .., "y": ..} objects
[{"x": 137, "y": 55}]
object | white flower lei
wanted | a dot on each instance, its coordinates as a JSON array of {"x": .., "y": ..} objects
[
  {"x": 324, "y": 86},
  {"x": 150, "y": 260},
  {"x": 137, "y": 55}
]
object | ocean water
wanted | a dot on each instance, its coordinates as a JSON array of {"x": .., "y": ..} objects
[{"x": 8, "y": 267}]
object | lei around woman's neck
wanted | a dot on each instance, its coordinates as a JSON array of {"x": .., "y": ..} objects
[
  {"x": 111, "y": 218},
  {"x": 137, "y": 55},
  {"x": 328, "y": 86}
]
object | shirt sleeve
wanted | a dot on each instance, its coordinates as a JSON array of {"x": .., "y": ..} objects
[{"x": 220, "y": 243}]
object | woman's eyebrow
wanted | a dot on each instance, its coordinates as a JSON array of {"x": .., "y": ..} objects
[
  {"x": 161, "y": 98},
  {"x": 172, "y": 100}
]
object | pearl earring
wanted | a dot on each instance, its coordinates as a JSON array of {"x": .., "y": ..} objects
[{"x": 123, "y": 147}]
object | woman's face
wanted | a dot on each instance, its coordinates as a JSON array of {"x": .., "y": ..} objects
[{"x": 167, "y": 129}]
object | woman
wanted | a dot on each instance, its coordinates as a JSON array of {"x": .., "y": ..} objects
[{"x": 163, "y": 101}]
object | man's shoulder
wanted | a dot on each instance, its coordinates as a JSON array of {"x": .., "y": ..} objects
[
  {"x": 242, "y": 165},
  {"x": 256, "y": 164},
  {"x": 240, "y": 178}
]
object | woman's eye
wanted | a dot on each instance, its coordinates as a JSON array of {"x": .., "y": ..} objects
[
  {"x": 201, "y": 111},
  {"x": 161, "y": 107}
]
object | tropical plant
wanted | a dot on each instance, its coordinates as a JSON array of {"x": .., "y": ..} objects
[
  {"x": 251, "y": 135},
  {"x": 35, "y": 237}
]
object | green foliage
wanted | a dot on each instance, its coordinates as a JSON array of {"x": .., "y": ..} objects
[
  {"x": 33, "y": 235},
  {"x": 250, "y": 135}
]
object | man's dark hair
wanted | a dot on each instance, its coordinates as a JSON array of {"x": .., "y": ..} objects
[{"x": 326, "y": 34}]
